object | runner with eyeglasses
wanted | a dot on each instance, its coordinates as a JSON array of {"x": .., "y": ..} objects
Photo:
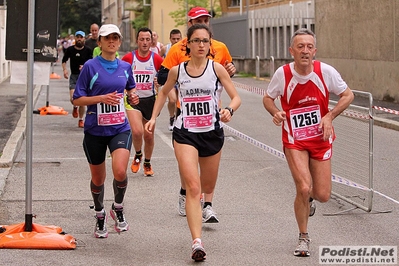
[
  {"x": 177, "y": 54},
  {"x": 198, "y": 134}
]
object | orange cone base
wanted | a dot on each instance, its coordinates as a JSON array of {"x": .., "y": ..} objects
[
  {"x": 41, "y": 237},
  {"x": 52, "y": 110},
  {"x": 54, "y": 76}
]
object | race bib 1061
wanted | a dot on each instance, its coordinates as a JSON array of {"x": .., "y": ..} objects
[{"x": 108, "y": 115}]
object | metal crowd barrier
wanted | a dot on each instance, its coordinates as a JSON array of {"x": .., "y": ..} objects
[{"x": 352, "y": 160}]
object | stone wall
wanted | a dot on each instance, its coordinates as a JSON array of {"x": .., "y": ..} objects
[
  {"x": 266, "y": 67},
  {"x": 360, "y": 39}
]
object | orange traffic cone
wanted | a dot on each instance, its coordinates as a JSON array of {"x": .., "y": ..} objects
[
  {"x": 52, "y": 110},
  {"x": 41, "y": 237},
  {"x": 54, "y": 76}
]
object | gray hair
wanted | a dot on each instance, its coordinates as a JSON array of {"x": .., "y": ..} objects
[{"x": 303, "y": 31}]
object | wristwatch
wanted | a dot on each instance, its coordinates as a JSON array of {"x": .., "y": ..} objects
[{"x": 230, "y": 110}]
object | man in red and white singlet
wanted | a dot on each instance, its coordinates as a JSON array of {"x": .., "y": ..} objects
[
  {"x": 145, "y": 65},
  {"x": 307, "y": 132}
]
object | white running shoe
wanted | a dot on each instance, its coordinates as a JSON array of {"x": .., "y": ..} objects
[
  {"x": 208, "y": 215},
  {"x": 312, "y": 207},
  {"x": 117, "y": 214},
  {"x": 302, "y": 250},
  {"x": 182, "y": 205},
  {"x": 198, "y": 251},
  {"x": 100, "y": 231}
]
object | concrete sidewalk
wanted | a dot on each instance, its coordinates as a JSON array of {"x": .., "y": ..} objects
[{"x": 13, "y": 124}]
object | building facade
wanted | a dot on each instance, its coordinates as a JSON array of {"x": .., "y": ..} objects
[
  {"x": 361, "y": 39},
  {"x": 122, "y": 13},
  {"x": 265, "y": 26},
  {"x": 5, "y": 65},
  {"x": 358, "y": 37}
]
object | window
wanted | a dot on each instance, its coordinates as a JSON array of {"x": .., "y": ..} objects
[{"x": 235, "y": 2}]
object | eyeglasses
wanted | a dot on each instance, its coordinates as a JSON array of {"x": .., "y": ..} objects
[{"x": 198, "y": 41}]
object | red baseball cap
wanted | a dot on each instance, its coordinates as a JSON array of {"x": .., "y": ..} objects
[{"x": 197, "y": 12}]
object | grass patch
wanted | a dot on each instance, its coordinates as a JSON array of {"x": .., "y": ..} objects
[
  {"x": 249, "y": 75},
  {"x": 245, "y": 75}
]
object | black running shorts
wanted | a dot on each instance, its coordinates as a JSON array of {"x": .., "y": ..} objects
[
  {"x": 95, "y": 147},
  {"x": 145, "y": 106},
  {"x": 207, "y": 143}
]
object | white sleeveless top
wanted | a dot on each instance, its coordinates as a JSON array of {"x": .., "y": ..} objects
[
  {"x": 199, "y": 97},
  {"x": 144, "y": 73}
]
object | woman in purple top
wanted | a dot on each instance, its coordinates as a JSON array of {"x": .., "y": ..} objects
[{"x": 101, "y": 86}]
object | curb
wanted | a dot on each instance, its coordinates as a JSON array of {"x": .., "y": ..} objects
[
  {"x": 386, "y": 123},
  {"x": 14, "y": 143}
]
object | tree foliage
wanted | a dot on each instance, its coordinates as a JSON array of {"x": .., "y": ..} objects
[
  {"x": 180, "y": 14},
  {"x": 142, "y": 16},
  {"x": 78, "y": 15}
]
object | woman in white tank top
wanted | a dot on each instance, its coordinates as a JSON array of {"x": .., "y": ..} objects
[{"x": 198, "y": 134}]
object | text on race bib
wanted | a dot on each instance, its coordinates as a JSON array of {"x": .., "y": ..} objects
[
  {"x": 108, "y": 115},
  {"x": 305, "y": 122},
  {"x": 197, "y": 111}
]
